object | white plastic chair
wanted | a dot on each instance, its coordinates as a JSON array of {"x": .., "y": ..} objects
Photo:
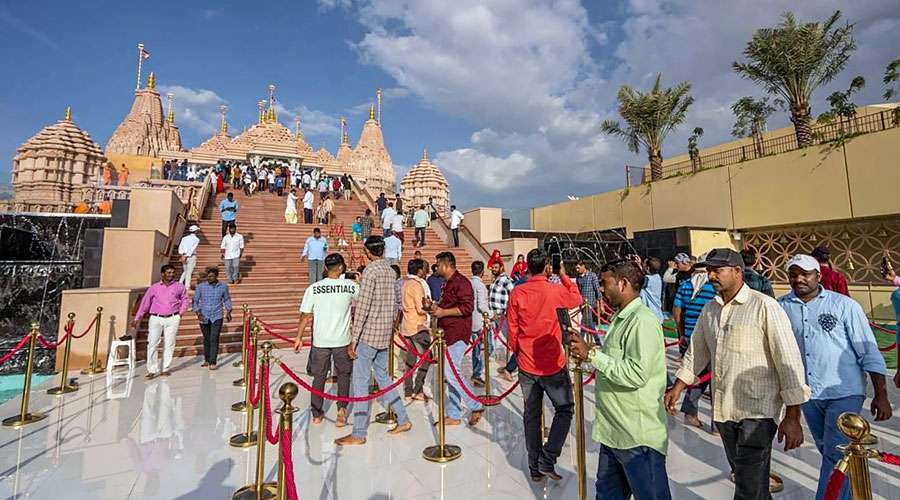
[{"x": 114, "y": 359}]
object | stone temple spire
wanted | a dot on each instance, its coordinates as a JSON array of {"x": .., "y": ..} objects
[
  {"x": 145, "y": 131},
  {"x": 370, "y": 159},
  {"x": 425, "y": 181}
]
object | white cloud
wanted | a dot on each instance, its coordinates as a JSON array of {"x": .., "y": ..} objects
[
  {"x": 326, "y": 5},
  {"x": 195, "y": 109}
]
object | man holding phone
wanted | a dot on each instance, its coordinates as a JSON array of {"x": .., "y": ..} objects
[{"x": 536, "y": 338}]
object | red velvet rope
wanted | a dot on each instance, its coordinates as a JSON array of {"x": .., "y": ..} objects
[
  {"x": 277, "y": 336},
  {"x": 251, "y": 372},
  {"x": 589, "y": 330},
  {"x": 835, "y": 484},
  {"x": 269, "y": 326},
  {"x": 355, "y": 399},
  {"x": 8, "y": 356},
  {"x": 888, "y": 348},
  {"x": 700, "y": 381},
  {"x": 885, "y": 330},
  {"x": 477, "y": 341},
  {"x": 86, "y": 330},
  {"x": 288, "y": 458},
  {"x": 501, "y": 339},
  {"x": 53, "y": 345},
  {"x": 890, "y": 458},
  {"x": 408, "y": 347},
  {"x": 670, "y": 344},
  {"x": 272, "y": 437},
  {"x": 489, "y": 400},
  {"x": 590, "y": 378}
]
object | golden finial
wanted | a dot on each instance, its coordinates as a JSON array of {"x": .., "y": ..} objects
[
  {"x": 346, "y": 138},
  {"x": 260, "y": 105},
  {"x": 425, "y": 154},
  {"x": 372, "y": 112},
  {"x": 151, "y": 81},
  {"x": 222, "y": 111},
  {"x": 68, "y": 116},
  {"x": 170, "y": 115}
]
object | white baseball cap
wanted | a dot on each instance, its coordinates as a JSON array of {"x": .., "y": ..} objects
[
  {"x": 803, "y": 261},
  {"x": 194, "y": 228}
]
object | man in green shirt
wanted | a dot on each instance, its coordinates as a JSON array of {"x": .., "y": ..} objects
[{"x": 629, "y": 421}]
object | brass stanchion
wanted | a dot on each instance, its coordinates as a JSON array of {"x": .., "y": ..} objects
[
  {"x": 486, "y": 358},
  {"x": 24, "y": 417},
  {"x": 260, "y": 489},
  {"x": 580, "y": 466},
  {"x": 389, "y": 417},
  {"x": 239, "y": 363},
  {"x": 856, "y": 455},
  {"x": 245, "y": 404},
  {"x": 64, "y": 387},
  {"x": 95, "y": 367},
  {"x": 441, "y": 452},
  {"x": 247, "y": 438},
  {"x": 242, "y": 382},
  {"x": 286, "y": 393}
]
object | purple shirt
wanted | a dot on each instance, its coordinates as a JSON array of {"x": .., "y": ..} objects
[{"x": 164, "y": 300}]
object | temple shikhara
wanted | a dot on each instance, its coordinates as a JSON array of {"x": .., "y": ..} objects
[{"x": 425, "y": 184}]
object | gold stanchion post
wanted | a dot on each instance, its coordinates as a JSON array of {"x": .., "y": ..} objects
[
  {"x": 259, "y": 490},
  {"x": 441, "y": 452},
  {"x": 388, "y": 417},
  {"x": 486, "y": 358},
  {"x": 247, "y": 438},
  {"x": 25, "y": 417},
  {"x": 856, "y": 455},
  {"x": 64, "y": 387},
  {"x": 244, "y": 405},
  {"x": 239, "y": 363},
  {"x": 95, "y": 367},
  {"x": 580, "y": 466},
  {"x": 286, "y": 393},
  {"x": 242, "y": 382}
]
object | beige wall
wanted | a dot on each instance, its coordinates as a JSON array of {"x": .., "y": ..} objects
[
  {"x": 132, "y": 258},
  {"x": 874, "y": 299},
  {"x": 811, "y": 185},
  {"x": 704, "y": 240},
  {"x": 485, "y": 223},
  {"x": 118, "y": 305},
  {"x": 153, "y": 209},
  {"x": 510, "y": 248}
]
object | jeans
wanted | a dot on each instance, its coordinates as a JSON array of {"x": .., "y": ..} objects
[
  {"x": 821, "y": 417},
  {"x": 557, "y": 387},
  {"x": 420, "y": 341},
  {"x": 307, "y": 215},
  {"x": 320, "y": 359},
  {"x": 159, "y": 328},
  {"x": 512, "y": 366},
  {"x": 455, "y": 395},
  {"x": 748, "y": 447},
  {"x": 689, "y": 406},
  {"x": 367, "y": 359},
  {"x": 188, "y": 272},
  {"x": 639, "y": 471},
  {"x": 387, "y": 232},
  {"x": 477, "y": 360},
  {"x": 233, "y": 269},
  {"x": 316, "y": 270},
  {"x": 210, "y": 331},
  {"x": 420, "y": 236},
  {"x": 226, "y": 223},
  {"x": 455, "y": 236}
]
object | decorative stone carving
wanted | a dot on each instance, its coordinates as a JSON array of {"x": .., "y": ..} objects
[
  {"x": 425, "y": 181},
  {"x": 145, "y": 130},
  {"x": 370, "y": 160}
]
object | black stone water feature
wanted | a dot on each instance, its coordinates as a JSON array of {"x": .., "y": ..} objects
[{"x": 41, "y": 255}]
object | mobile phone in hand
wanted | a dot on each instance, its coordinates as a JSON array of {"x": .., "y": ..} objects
[
  {"x": 565, "y": 322},
  {"x": 886, "y": 266},
  {"x": 556, "y": 263}
]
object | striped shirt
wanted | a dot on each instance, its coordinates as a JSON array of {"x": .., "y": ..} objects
[
  {"x": 690, "y": 309},
  {"x": 374, "y": 319}
]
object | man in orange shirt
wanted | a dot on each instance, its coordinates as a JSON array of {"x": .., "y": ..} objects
[
  {"x": 535, "y": 337},
  {"x": 414, "y": 326}
]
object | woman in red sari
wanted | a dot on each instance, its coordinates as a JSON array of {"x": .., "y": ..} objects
[
  {"x": 520, "y": 269},
  {"x": 220, "y": 183}
]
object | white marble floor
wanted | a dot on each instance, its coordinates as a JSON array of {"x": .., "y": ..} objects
[{"x": 167, "y": 439}]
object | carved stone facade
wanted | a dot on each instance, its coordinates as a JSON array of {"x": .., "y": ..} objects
[
  {"x": 370, "y": 159},
  {"x": 50, "y": 168},
  {"x": 856, "y": 247},
  {"x": 423, "y": 182},
  {"x": 145, "y": 131}
]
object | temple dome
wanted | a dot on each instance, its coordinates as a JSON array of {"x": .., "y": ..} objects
[{"x": 425, "y": 181}]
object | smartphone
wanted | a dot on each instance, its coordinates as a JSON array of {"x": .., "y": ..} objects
[
  {"x": 886, "y": 266},
  {"x": 565, "y": 322},
  {"x": 556, "y": 262}
]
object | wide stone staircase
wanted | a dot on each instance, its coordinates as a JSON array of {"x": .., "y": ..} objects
[{"x": 273, "y": 279}]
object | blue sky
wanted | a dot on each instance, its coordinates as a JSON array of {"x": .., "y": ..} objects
[{"x": 507, "y": 95}]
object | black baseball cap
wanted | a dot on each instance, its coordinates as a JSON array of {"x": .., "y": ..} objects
[{"x": 723, "y": 257}]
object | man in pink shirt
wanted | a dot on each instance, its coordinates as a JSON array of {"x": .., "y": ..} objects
[{"x": 166, "y": 301}]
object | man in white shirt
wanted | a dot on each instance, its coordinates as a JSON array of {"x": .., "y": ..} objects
[
  {"x": 187, "y": 249},
  {"x": 305, "y": 180},
  {"x": 232, "y": 245},
  {"x": 397, "y": 226},
  {"x": 393, "y": 249},
  {"x": 308, "y": 200},
  {"x": 328, "y": 303},
  {"x": 387, "y": 218},
  {"x": 323, "y": 188},
  {"x": 314, "y": 249},
  {"x": 456, "y": 218},
  {"x": 420, "y": 219}
]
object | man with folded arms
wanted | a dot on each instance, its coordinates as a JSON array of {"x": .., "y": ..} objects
[
  {"x": 757, "y": 371},
  {"x": 838, "y": 349}
]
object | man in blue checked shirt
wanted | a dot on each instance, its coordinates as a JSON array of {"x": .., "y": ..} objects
[
  {"x": 838, "y": 349},
  {"x": 210, "y": 300}
]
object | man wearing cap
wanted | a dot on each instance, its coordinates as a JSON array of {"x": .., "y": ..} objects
[
  {"x": 187, "y": 250},
  {"x": 757, "y": 371},
  {"x": 679, "y": 270},
  {"x": 830, "y": 278},
  {"x": 838, "y": 348}
]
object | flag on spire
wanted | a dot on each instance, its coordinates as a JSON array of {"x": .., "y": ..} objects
[{"x": 144, "y": 54}]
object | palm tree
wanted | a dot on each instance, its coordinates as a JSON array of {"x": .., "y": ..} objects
[
  {"x": 751, "y": 116},
  {"x": 792, "y": 60},
  {"x": 693, "y": 150},
  {"x": 649, "y": 117}
]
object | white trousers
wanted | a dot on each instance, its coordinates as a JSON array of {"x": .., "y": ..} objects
[
  {"x": 159, "y": 328},
  {"x": 189, "y": 264}
]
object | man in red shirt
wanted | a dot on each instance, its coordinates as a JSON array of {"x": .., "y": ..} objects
[
  {"x": 535, "y": 337},
  {"x": 831, "y": 278},
  {"x": 454, "y": 315}
]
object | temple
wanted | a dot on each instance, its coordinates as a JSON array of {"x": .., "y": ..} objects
[
  {"x": 146, "y": 131},
  {"x": 424, "y": 184}
]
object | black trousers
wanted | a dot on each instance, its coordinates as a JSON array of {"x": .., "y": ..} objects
[
  {"x": 420, "y": 236},
  {"x": 307, "y": 215},
  {"x": 748, "y": 447},
  {"x": 455, "y": 237},
  {"x": 225, "y": 224},
  {"x": 557, "y": 387},
  {"x": 210, "y": 331},
  {"x": 420, "y": 341},
  {"x": 320, "y": 359}
]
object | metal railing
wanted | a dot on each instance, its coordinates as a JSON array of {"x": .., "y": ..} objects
[{"x": 822, "y": 133}]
